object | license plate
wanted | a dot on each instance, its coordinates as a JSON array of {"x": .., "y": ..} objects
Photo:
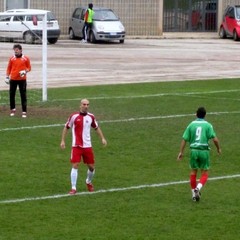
[
  {"x": 113, "y": 34},
  {"x": 50, "y": 24}
]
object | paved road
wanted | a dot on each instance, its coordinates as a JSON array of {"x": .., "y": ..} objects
[{"x": 71, "y": 63}]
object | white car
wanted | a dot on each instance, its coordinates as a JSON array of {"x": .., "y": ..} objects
[
  {"x": 106, "y": 25},
  {"x": 27, "y": 25}
]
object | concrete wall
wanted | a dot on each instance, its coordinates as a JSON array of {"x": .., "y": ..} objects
[
  {"x": 140, "y": 17},
  {"x": 2, "y": 7}
]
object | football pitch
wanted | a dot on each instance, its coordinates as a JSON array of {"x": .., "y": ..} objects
[{"x": 141, "y": 191}]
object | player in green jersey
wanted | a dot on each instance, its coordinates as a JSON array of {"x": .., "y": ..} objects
[{"x": 198, "y": 133}]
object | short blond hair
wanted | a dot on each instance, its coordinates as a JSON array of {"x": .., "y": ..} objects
[{"x": 84, "y": 100}]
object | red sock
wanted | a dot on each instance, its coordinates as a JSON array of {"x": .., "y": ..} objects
[
  {"x": 203, "y": 178},
  {"x": 193, "y": 181}
]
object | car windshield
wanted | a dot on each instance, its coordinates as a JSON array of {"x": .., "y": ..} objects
[
  {"x": 105, "y": 15},
  {"x": 50, "y": 17},
  {"x": 238, "y": 12}
]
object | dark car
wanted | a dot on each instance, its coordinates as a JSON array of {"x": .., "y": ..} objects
[{"x": 230, "y": 26}]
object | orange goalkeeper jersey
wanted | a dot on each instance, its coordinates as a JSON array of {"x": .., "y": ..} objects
[{"x": 15, "y": 65}]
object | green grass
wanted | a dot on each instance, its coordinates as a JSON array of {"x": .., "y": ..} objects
[{"x": 143, "y": 126}]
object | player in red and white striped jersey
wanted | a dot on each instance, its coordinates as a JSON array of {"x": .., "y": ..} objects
[{"x": 81, "y": 124}]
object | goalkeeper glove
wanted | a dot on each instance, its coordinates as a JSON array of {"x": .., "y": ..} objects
[
  {"x": 7, "y": 80},
  {"x": 23, "y": 73}
]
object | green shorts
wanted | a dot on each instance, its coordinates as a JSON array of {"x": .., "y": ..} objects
[{"x": 199, "y": 159}]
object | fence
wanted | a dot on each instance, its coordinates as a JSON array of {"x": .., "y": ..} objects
[{"x": 190, "y": 15}]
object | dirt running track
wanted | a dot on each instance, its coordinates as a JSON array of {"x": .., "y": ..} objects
[{"x": 71, "y": 63}]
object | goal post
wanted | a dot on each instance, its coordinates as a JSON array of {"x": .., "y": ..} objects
[{"x": 44, "y": 59}]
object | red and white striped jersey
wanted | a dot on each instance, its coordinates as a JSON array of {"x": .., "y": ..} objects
[{"x": 81, "y": 126}]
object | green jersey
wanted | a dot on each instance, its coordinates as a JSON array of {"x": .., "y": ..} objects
[{"x": 198, "y": 133}]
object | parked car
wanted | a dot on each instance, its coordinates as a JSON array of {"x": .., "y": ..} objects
[
  {"x": 106, "y": 25},
  {"x": 230, "y": 26},
  {"x": 27, "y": 25}
]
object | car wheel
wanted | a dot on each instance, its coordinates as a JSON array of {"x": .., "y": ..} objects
[
  {"x": 28, "y": 38},
  {"x": 222, "y": 33},
  {"x": 235, "y": 36},
  {"x": 52, "y": 40},
  {"x": 92, "y": 38},
  {"x": 121, "y": 41},
  {"x": 71, "y": 34}
]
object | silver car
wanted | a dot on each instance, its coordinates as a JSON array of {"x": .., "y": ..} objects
[{"x": 106, "y": 25}]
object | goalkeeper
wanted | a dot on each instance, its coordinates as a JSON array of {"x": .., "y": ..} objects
[{"x": 16, "y": 76}]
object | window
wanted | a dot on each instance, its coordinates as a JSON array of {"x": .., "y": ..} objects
[
  {"x": 231, "y": 12},
  {"x": 77, "y": 13},
  {"x": 14, "y": 4},
  {"x": 83, "y": 14},
  {"x": 105, "y": 15},
  {"x": 211, "y": 6},
  {"x": 18, "y": 18},
  {"x": 238, "y": 12},
  {"x": 5, "y": 18}
]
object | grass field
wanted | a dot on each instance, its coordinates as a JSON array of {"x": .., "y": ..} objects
[{"x": 142, "y": 192}]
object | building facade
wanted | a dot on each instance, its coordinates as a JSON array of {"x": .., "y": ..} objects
[{"x": 140, "y": 17}]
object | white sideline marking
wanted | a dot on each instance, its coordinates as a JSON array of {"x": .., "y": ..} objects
[
  {"x": 118, "y": 120},
  {"x": 31, "y": 127},
  {"x": 109, "y": 190},
  {"x": 150, "y": 95}
]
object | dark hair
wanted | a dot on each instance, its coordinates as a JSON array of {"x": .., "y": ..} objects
[
  {"x": 90, "y": 5},
  {"x": 201, "y": 112},
  {"x": 17, "y": 46}
]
